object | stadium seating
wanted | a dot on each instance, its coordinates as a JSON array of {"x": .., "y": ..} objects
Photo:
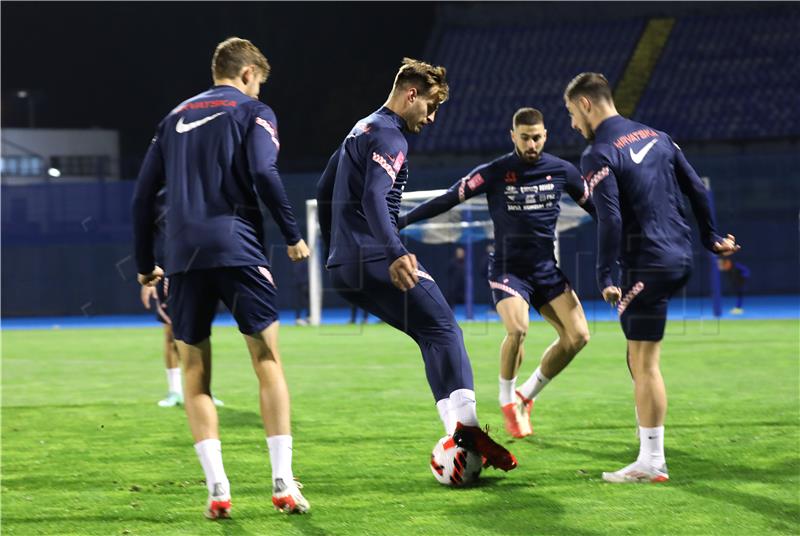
[
  {"x": 720, "y": 77},
  {"x": 728, "y": 77},
  {"x": 495, "y": 70}
]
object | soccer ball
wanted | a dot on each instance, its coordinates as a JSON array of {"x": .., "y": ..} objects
[{"x": 452, "y": 465}]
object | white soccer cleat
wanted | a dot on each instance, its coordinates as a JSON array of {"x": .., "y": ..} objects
[
  {"x": 638, "y": 473},
  {"x": 219, "y": 503},
  {"x": 287, "y": 497},
  {"x": 171, "y": 400}
]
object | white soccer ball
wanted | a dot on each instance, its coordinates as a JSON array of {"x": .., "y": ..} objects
[{"x": 452, "y": 465}]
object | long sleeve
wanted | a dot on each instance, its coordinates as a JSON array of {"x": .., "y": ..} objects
[
  {"x": 378, "y": 181},
  {"x": 605, "y": 193},
  {"x": 148, "y": 183},
  {"x": 692, "y": 186},
  {"x": 578, "y": 190},
  {"x": 324, "y": 199},
  {"x": 262, "y": 154},
  {"x": 466, "y": 187}
]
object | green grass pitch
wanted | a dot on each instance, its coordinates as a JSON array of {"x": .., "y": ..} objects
[{"x": 85, "y": 449}]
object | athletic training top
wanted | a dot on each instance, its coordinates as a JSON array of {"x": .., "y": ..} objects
[
  {"x": 217, "y": 154},
  {"x": 637, "y": 177},
  {"x": 358, "y": 194},
  {"x": 523, "y": 199}
]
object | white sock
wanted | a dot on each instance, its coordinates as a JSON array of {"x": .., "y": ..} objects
[
  {"x": 531, "y": 388},
  {"x": 210, "y": 453},
  {"x": 443, "y": 406},
  {"x": 463, "y": 407},
  {"x": 280, "y": 457},
  {"x": 174, "y": 380},
  {"x": 507, "y": 388},
  {"x": 651, "y": 446}
]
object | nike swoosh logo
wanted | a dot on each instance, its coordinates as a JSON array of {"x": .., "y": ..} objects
[
  {"x": 182, "y": 128},
  {"x": 638, "y": 156}
]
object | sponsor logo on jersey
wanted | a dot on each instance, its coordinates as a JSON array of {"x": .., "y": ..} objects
[
  {"x": 183, "y": 128},
  {"x": 636, "y": 135},
  {"x": 639, "y": 155}
]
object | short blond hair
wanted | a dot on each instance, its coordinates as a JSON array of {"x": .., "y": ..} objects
[
  {"x": 233, "y": 54},
  {"x": 428, "y": 79}
]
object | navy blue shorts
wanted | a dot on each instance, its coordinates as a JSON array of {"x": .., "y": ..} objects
[
  {"x": 645, "y": 295},
  {"x": 538, "y": 284},
  {"x": 162, "y": 301},
  {"x": 422, "y": 312},
  {"x": 247, "y": 291}
]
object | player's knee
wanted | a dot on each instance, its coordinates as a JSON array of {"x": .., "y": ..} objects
[
  {"x": 517, "y": 333},
  {"x": 264, "y": 355},
  {"x": 576, "y": 341}
]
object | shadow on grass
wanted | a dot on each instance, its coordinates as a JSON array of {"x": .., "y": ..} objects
[
  {"x": 710, "y": 478},
  {"x": 500, "y": 513},
  {"x": 709, "y": 471},
  {"x": 230, "y": 527},
  {"x": 239, "y": 418}
]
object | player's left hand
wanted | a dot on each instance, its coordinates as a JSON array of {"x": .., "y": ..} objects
[
  {"x": 299, "y": 251},
  {"x": 147, "y": 294},
  {"x": 152, "y": 279},
  {"x": 727, "y": 246},
  {"x": 612, "y": 295}
]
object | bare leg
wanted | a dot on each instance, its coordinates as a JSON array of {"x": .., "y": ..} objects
[
  {"x": 200, "y": 410},
  {"x": 514, "y": 313},
  {"x": 565, "y": 314},
  {"x": 650, "y": 392},
  {"x": 171, "y": 358},
  {"x": 272, "y": 388}
]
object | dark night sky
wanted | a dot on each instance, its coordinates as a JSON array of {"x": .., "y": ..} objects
[{"x": 125, "y": 65}]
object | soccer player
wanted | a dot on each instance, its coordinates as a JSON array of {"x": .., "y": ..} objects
[
  {"x": 359, "y": 199},
  {"x": 216, "y": 152},
  {"x": 523, "y": 189},
  {"x": 637, "y": 177}
]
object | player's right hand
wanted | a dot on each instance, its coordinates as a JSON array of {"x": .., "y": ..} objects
[
  {"x": 152, "y": 279},
  {"x": 147, "y": 294},
  {"x": 727, "y": 246},
  {"x": 299, "y": 251},
  {"x": 612, "y": 295},
  {"x": 403, "y": 272}
]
